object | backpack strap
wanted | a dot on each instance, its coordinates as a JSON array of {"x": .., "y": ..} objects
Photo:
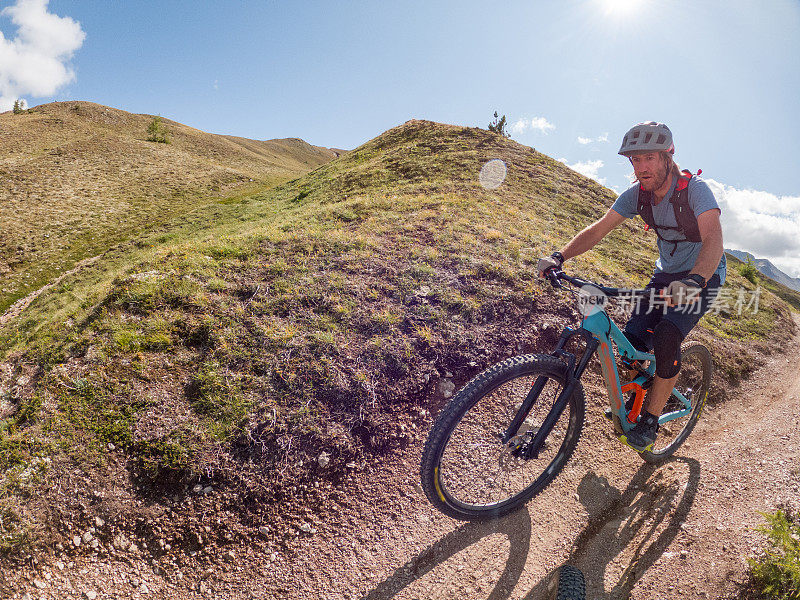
[
  {"x": 644, "y": 206},
  {"x": 684, "y": 215}
]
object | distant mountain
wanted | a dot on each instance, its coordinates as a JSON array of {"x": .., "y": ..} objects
[{"x": 768, "y": 269}]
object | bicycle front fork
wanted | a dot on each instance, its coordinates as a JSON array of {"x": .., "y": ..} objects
[{"x": 573, "y": 374}]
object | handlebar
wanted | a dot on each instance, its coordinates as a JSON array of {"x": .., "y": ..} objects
[{"x": 556, "y": 277}]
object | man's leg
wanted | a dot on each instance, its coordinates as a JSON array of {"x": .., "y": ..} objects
[
  {"x": 667, "y": 340},
  {"x": 659, "y": 394},
  {"x": 667, "y": 337}
]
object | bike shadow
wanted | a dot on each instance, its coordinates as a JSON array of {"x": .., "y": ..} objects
[
  {"x": 628, "y": 531},
  {"x": 517, "y": 527}
]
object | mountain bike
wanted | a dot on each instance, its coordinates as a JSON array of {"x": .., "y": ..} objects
[{"x": 510, "y": 430}]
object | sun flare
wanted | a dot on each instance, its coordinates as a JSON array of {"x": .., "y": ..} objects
[{"x": 621, "y": 6}]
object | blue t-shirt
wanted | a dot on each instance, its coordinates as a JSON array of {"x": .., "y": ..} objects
[{"x": 701, "y": 199}]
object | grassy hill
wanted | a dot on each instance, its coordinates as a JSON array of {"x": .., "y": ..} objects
[
  {"x": 329, "y": 316},
  {"x": 770, "y": 272},
  {"x": 78, "y": 177}
]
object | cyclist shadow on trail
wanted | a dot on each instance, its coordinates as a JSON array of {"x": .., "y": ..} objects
[
  {"x": 517, "y": 527},
  {"x": 629, "y": 531}
]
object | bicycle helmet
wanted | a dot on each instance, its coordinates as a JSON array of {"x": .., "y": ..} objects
[{"x": 647, "y": 137}]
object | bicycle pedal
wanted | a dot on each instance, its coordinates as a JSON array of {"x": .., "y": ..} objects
[{"x": 624, "y": 440}]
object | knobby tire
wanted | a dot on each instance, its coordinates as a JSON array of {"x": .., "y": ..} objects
[
  {"x": 567, "y": 583},
  {"x": 466, "y": 472}
]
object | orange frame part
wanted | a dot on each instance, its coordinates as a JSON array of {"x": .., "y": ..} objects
[{"x": 633, "y": 415}]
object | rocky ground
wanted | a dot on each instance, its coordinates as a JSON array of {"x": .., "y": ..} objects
[{"x": 681, "y": 530}]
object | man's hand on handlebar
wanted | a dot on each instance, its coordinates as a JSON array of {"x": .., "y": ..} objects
[
  {"x": 548, "y": 263},
  {"x": 685, "y": 291}
]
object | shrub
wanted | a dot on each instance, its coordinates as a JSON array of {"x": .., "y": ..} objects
[
  {"x": 776, "y": 574},
  {"x": 157, "y": 131},
  {"x": 498, "y": 125},
  {"x": 749, "y": 271}
]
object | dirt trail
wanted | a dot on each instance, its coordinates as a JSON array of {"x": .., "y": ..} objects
[
  {"x": 682, "y": 530},
  {"x": 16, "y": 309}
]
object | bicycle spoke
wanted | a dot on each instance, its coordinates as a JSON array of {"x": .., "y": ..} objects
[{"x": 466, "y": 469}]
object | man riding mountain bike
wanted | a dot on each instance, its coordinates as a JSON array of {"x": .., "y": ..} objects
[{"x": 690, "y": 268}]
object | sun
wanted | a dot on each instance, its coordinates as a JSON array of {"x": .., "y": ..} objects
[{"x": 621, "y": 6}]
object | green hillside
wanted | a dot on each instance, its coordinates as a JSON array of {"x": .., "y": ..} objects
[
  {"x": 791, "y": 296},
  {"x": 78, "y": 177},
  {"x": 239, "y": 342}
]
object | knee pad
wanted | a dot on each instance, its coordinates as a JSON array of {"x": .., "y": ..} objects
[{"x": 667, "y": 350}]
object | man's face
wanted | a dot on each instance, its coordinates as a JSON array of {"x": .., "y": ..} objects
[{"x": 650, "y": 169}]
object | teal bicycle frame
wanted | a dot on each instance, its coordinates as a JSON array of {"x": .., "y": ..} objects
[
  {"x": 604, "y": 330},
  {"x": 598, "y": 331}
]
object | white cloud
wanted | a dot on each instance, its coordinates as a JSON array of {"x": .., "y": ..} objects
[
  {"x": 587, "y": 140},
  {"x": 542, "y": 124},
  {"x": 766, "y": 225},
  {"x": 35, "y": 62},
  {"x": 538, "y": 123},
  {"x": 519, "y": 126},
  {"x": 589, "y": 168}
]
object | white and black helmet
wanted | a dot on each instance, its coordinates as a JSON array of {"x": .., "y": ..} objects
[{"x": 647, "y": 137}]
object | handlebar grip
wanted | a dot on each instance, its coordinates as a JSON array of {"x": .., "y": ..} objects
[{"x": 552, "y": 275}]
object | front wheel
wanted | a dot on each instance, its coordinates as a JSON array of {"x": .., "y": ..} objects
[
  {"x": 567, "y": 583},
  {"x": 467, "y": 472},
  {"x": 693, "y": 382}
]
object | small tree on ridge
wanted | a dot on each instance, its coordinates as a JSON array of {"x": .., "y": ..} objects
[{"x": 498, "y": 125}]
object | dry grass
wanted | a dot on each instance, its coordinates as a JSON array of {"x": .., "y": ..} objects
[{"x": 77, "y": 177}]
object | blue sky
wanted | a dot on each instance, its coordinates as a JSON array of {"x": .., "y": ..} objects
[{"x": 571, "y": 75}]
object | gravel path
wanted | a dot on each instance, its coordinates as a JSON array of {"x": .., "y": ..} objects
[{"x": 16, "y": 309}]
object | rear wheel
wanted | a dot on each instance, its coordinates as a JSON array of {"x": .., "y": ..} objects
[
  {"x": 467, "y": 472},
  {"x": 693, "y": 382}
]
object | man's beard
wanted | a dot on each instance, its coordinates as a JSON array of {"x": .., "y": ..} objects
[{"x": 656, "y": 180}]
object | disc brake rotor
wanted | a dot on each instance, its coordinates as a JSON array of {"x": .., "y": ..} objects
[{"x": 515, "y": 448}]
